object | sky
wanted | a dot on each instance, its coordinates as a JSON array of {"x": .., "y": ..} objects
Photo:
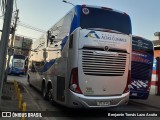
[{"x": 43, "y": 14}]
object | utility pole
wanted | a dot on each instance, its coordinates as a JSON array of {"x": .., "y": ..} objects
[
  {"x": 4, "y": 41},
  {"x": 11, "y": 50}
]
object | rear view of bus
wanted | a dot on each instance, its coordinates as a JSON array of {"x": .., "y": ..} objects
[
  {"x": 141, "y": 68},
  {"x": 102, "y": 47}
]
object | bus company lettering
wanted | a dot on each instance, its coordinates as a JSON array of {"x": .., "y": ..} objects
[{"x": 112, "y": 37}]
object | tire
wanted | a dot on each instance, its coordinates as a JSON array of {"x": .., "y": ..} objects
[
  {"x": 9, "y": 71},
  {"x": 28, "y": 79},
  {"x": 50, "y": 96},
  {"x": 44, "y": 92}
]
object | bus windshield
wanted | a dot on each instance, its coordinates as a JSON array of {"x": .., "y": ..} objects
[
  {"x": 18, "y": 63},
  {"x": 106, "y": 19},
  {"x": 140, "y": 44}
]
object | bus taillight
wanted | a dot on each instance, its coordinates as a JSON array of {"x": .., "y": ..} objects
[
  {"x": 128, "y": 82},
  {"x": 74, "y": 85}
]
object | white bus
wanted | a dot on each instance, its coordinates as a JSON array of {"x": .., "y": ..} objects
[{"x": 84, "y": 59}]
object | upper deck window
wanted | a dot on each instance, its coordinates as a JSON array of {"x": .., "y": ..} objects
[
  {"x": 140, "y": 44},
  {"x": 105, "y": 19}
]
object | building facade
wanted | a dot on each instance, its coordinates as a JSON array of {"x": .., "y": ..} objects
[
  {"x": 156, "y": 43},
  {"x": 22, "y": 45}
]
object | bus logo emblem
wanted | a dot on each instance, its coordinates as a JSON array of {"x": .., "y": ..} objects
[
  {"x": 92, "y": 34},
  {"x": 85, "y": 11},
  {"x": 106, "y": 48}
]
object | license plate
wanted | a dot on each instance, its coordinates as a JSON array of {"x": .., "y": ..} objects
[
  {"x": 107, "y": 53},
  {"x": 103, "y": 103}
]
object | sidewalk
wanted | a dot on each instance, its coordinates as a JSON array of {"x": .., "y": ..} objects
[
  {"x": 9, "y": 101},
  {"x": 152, "y": 101}
]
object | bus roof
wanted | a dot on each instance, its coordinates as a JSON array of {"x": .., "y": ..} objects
[
  {"x": 134, "y": 36},
  {"x": 101, "y": 7}
]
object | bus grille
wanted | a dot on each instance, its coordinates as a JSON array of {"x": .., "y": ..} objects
[
  {"x": 103, "y": 64},
  {"x": 140, "y": 70}
]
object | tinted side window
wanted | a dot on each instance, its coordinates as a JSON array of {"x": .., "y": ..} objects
[{"x": 140, "y": 44}]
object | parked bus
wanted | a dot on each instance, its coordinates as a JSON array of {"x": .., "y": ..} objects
[
  {"x": 17, "y": 65},
  {"x": 141, "y": 67},
  {"x": 84, "y": 59}
]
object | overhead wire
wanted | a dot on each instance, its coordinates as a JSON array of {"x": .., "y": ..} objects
[
  {"x": 26, "y": 37},
  {"x": 3, "y": 6},
  {"x": 31, "y": 27}
]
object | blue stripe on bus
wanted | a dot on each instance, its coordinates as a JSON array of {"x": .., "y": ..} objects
[
  {"x": 76, "y": 19},
  {"x": 48, "y": 65},
  {"x": 75, "y": 24},
  {"x": 64, "y": 42}
]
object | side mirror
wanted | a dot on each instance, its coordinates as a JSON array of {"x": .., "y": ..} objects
[{"x": 50, "y": 38}]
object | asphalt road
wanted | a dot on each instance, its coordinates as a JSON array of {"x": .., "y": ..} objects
[{"x": 62, "y": 113}]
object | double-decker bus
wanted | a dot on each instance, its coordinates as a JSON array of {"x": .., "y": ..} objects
[
  {"x": 84, "y": 59},
  {"x": 17, "y": 65},
  {"x": 141, "y": 67}
]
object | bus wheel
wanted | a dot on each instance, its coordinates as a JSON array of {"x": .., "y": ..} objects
[
  {"x": 9, "y": 71},
  {"x": 28, "y": 79},
  {"x": 44, "y": 92},
  {"x": 50, "y": 96}
]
